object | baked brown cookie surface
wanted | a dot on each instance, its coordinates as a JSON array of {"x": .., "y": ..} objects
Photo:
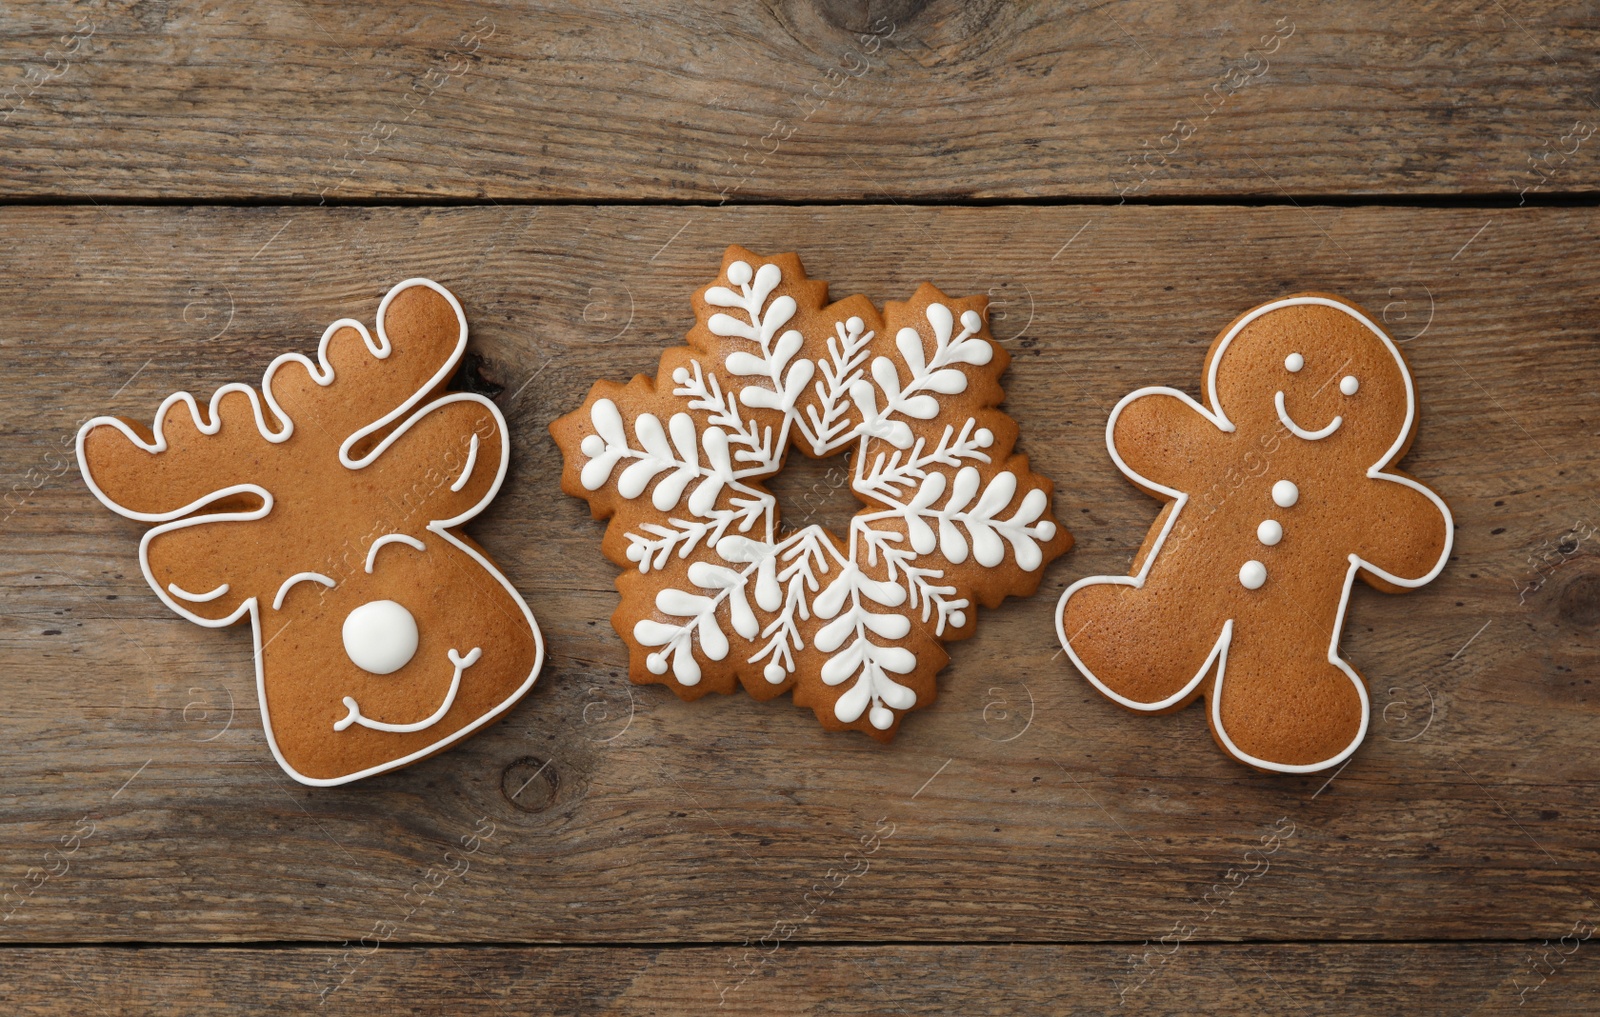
[
  {"x": 1281, "y": 490},
  {"x": 716, "y": 595},
  {"x": 326, "y": 508}
]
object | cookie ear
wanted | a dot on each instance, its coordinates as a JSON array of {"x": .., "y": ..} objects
[
  {"x": 448, "y": 460},
  {"x": 195, "y": 565}
]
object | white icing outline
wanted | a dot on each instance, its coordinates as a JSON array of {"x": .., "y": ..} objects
[
  {"x": 393, "y": 538},
  {"x": 354, "y": 716},
  {"x": 171, "y": 520},
  {"x": 466, "y": 472},
  {"x": 197, "y": 598},
  {"x": 298, "y": 577},
  {"x": 1301, "y": 432},
  {"x": 1219, "y": 651}
]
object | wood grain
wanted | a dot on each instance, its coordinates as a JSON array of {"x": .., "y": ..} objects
[
  {"x": 1023, "y": 807},
  {"x": 1480, "y": 979},
  {"x": 795, "y": 100}
]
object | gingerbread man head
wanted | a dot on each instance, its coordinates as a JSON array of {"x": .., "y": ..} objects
[
  {"x": 1310, "y": 368},
  {"x": 1281, "y": 491},
  {"x": 324, "y": 508}
]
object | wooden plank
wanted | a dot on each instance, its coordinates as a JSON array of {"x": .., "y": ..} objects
[
  {"x": 1022, "y": 805},
  {"x": 802, "y": 100},
  {"x": 1336, "y": 978}
]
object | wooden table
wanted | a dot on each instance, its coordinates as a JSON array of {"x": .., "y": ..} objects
[{"x": 193, "y": 188}]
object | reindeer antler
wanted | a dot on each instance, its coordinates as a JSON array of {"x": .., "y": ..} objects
[{"x": 194, "y": 458}]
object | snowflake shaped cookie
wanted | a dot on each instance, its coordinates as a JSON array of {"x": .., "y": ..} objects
[{"x": 854, "y": 624}]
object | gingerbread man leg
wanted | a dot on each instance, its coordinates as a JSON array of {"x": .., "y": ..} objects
[
  {"x": 1141, "y": 646},
  {"x": 1284, "y": 705}
]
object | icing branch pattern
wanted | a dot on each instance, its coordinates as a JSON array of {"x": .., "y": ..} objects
[
  {"x": 826, "y": 426},
  {"x": 852, "y": 623},
  {"x": 754, "y": 444}
]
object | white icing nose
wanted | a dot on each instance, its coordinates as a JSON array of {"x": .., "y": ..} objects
[{"x": 380, "y": 636}]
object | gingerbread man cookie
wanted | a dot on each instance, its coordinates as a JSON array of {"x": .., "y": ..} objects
[
  {"x": 326, "y": 509},
  {"x": 716, "y": 594},
  {"x": 1281, "y": 490}
]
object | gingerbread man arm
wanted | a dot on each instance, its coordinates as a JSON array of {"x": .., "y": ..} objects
[
  {"x": 1408, "y": 535},
  {"x": 1165, "y": 441}
]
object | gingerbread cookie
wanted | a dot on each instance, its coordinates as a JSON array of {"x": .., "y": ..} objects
[
  {"x": 326, "y": 508},
  {"x": 1280, "y": 492},
  {"x": 715, "y": 595}
]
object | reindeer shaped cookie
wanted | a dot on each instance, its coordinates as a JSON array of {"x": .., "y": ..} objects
[
  {"x": 325, "y": 509},
  {"x": 1281, "y": 491}
]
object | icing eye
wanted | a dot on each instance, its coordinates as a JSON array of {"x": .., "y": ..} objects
[
  {"x": 1293, "y": 363},
  {"x": 1349, "y": 385},
  {"x": 380, "y": 636}
]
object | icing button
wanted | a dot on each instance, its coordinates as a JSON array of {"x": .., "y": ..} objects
[
  {"x": 1285, "y": 493},
  {"x": 1269, "y": 532},
  {"x": 380, "y": 637},
  {"x": 1252, "y": 574}
]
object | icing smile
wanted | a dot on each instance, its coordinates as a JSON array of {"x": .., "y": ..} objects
[
  {"x": 1301, "y": 432},
  {"x": 461, "y": 664}
]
